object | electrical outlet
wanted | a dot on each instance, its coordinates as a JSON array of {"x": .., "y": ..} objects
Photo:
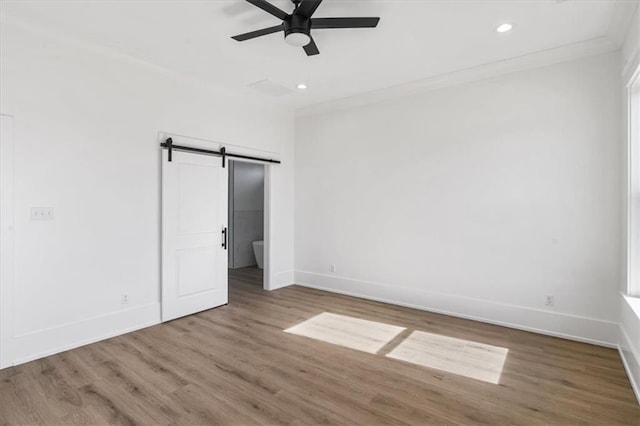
[
  {"x": 124, "y": 299},
  {"x": 41, "y": 213},
  {"x": 333, "y": 268},
  {"x": 549, "y": 301}
]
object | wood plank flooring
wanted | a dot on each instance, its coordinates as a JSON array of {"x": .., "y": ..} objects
[
  {"x": 250, "y": 274},
  {"x": 235, "y": 365}
]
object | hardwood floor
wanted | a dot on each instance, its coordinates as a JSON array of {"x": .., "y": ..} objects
[
  {"x": 235, "y": 365},
  {"x": 250, "y": 274}
]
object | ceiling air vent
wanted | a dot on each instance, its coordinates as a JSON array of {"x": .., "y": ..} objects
[{"x": 270, "y": 88}]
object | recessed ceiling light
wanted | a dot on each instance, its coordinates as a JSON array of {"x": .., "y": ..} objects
[
  {"x": 503, "y": 28},
  {"x": 301, "y": 86}
]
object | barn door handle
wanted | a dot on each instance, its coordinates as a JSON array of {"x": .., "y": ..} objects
[{"x": 224, "y": 238}]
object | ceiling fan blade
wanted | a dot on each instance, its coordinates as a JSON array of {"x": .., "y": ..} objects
[
  {"x": 311, "y": 48},
  {"x": 319, "y": 23},
  {"x": 269, "y": 8},
  {"x": 258, "y": 33},
  {"x": 307, "y": 7}
]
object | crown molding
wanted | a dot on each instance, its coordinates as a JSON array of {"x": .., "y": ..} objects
[
  {"x": 618, "y": 28},
  {"x": 241, "y": 97},
  {"x": 620, "y": 22},
  {"x": 538, "y": 59}
]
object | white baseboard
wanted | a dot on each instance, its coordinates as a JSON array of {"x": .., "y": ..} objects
[
  {"x": 589, "y": 330},
  {"x": 53, "y": 340},
  {"x": 631, "y": 361},
  {"x": 50, "y": 341}
]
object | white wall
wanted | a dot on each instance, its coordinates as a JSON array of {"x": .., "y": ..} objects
[
  {"x": 87, "y": 127},
  {"x": 477, "y": 200}
]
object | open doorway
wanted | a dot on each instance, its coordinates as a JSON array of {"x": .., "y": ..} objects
[{"x": 246, "y": 223}]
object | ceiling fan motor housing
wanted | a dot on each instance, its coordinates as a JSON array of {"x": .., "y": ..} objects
[{"x": 297, "y": 24}]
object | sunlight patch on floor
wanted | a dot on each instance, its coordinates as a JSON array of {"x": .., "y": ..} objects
[
  {"x": 463, "y": 357},
  {"x": 354, "y": 333}
]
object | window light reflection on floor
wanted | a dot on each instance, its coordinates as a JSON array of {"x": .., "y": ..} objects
[
  {"x": 458, "y": 356},
  {"x": 354, "y": 333},
  {"x": 463, "y": 357}
]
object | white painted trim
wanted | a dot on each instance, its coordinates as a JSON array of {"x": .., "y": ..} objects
[
  {"x": 620, "y": 22},
  {"x": 630, "y": 68},
  {"x": 633, "y": 79},
  {"x": 53, "y": 340},
  {"x": 266, "y": 221},
  {"x": 572, "y": 327},
  {"x": 539, "y": 59},
  {"x": 632, "y": 232},
  {"x": 633, "y": 302},
  {"x": 267, "y": 273},
  {"x": 7, "y": 146},
  {"x": 631, "y": 361}
]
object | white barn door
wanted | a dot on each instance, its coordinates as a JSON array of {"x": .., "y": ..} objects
[{"x": 194, "y": 227}]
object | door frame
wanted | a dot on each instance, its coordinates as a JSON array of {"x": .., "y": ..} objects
[
  {"x": 266, "y": 218},
  {"x": 7, "y": 242},
  {"x": 632, "y": 286},
  {"x": 179, "y": 139},
  {"x": 230, "y": 221}
]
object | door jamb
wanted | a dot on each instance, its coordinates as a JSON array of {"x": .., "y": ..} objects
[{"x": 266, "y": 217}]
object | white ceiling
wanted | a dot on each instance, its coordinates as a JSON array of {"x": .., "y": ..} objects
[{"x": 414, "y": 40}]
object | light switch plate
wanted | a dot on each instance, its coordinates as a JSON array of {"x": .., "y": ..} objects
[{"x": 41, "y": 213}]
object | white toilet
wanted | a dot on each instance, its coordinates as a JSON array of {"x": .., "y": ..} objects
[{"x": 258, "y": 252}]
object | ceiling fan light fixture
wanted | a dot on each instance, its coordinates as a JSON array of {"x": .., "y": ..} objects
[{"x": 297, "y": 39}]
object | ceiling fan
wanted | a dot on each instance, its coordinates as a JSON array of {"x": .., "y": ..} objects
[{"x": 297, "y": 26}]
